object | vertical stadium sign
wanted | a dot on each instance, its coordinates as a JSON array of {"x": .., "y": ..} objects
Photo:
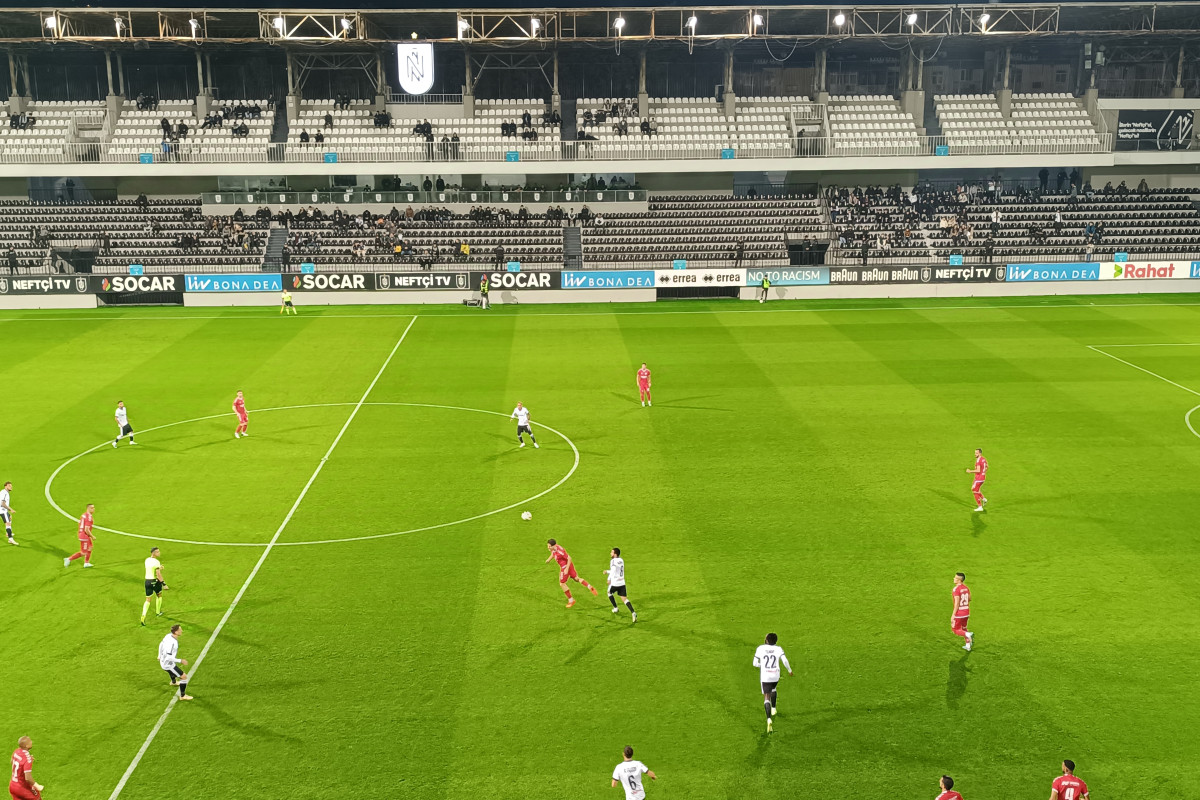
[{"x": 416, "y": 66}]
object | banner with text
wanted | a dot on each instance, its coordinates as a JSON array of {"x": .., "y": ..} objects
[
  {"x": 665, "y": 278},
  {"x": 938, "y": 274},
  {"x": 1075, "y": 271},
  {"x": 131, "y": 284},
  {"x": 789, "y": 276},
  {"x": 1161, "y": 129},
  {"x": 506, "y": 281},
  {"x": 232, "y": 283},
  {"x": 410, "y": 281},
  {"x": 1145, "y": 269},
  {"x": 49, "y": 284},
  {"x": 608, "y": 279}
]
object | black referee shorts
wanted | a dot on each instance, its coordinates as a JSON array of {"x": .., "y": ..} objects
[{"x": 153, "y": 587}]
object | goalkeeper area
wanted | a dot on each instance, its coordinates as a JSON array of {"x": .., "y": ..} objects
[{"x": 378, "y": 621}]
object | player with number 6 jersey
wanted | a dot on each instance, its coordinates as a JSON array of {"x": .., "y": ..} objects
[
  {"x": 628, "y": 775},
  {"x": 615, "y": 575},
  {"x": 768, "y": 657}
]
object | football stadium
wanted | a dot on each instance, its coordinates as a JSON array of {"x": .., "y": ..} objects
[{"x": 600, "y": 402}]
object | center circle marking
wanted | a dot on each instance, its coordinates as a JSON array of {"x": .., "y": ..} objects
[{"x": 510, "y": 506}]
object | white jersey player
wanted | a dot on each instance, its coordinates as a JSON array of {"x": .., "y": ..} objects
[
  {"x": 628, "y": 775},
  {"x": 6, "y": 510},
  {"x": 123, "y": 426},
  {"x": 768, "y": 658},
  {"x": 616, "y": 582},
  {"x": 521, "y": 415}
]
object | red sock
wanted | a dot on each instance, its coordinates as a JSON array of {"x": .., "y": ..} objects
[{"x": 567, "y": 592}]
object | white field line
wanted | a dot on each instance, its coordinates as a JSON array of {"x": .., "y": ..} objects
[
  {"x": 116, "y": 792},
  {"x": 1151, "y": 344},
  {"x": 1142, "y": 369},
  {"x": 485, "y": 315}
]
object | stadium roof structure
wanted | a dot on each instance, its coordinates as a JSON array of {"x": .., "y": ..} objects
[{"x": 512, "y": 28}]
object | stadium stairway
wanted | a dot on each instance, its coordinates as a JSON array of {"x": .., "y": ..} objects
[
  {"x": 572, "y": 247},
  {"x": 570, "y": 131},
  {"x": 273, "y": 252},
  {"x": 279, "y": 132}
]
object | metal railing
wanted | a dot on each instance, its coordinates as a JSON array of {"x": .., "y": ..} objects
[
  {"x": 405, "y": 196},
  {"x": 437, "y": 152},
  {"x": 426, "y": 99}
]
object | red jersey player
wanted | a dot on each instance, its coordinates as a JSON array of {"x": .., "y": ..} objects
[
  {"x": 947, "y": 786},
  {"x": 239, "y": 408},
  {"x": 22, "y": 785},
  {"x": 980, "y": 473},
  {"x": 1067, "y": 786},
  {"x": 962, "y": 610},
  {"x": 85, "y": 538},
  {"x": 566, "y": 570},
  {"x": 643, "y": 381}
]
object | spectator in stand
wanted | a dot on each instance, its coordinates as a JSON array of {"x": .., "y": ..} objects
[
  {"x": 526, "y": 120},
  {"x": 12, "y": 261},
  {"x": 165, "y": 124},
  {"x": 1143, "y": 187},
  {"x": 303, "y": 136},
  {"x": 328, "y": 120},
  {"x": 319, "y": 138},
  {"x": 1062, "y": 180},
  {"x": 427, "y": 185},
  {"x": 1044, "y": 179},
  {"x": 454, "y": 144}
]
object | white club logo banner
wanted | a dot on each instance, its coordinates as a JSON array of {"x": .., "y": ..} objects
[{"x": 416, "y": 66}]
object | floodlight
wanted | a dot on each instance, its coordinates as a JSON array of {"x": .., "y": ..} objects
[
  {"x": 757, "y": 19},
  {"x": 278, "y": 23},
  {"x": 619, "y": 24},
  {"x": 51, "y": 23},
  {"x": 839, "y": 19},
  {"x": 912, "y": 18},
  {"x": 984, "y": 17},
  {"x": 120, "y": 23},
  {"x": 691, "y": 23},
  {"x": 534, "y": 24},
  {"x": 345, "y": 24}
]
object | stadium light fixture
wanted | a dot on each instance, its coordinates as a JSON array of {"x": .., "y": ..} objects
[
  {"x": 984, "y": 17},
  {"x": 195, "y": 24},
  {"x": 757, "y": 19},
  {"x": 463, "y": 27},
  {"x": 619, "y": 24},
  {"x": 691, "y": 24},
  {"x": 912, "y": 19},
  {"x": 51, "y": 23},
  {"x": 278, "y": 23},
  {"x": 345, "y": 24},
  {"x": 534, "y": 25},
  {"x": 839, "y": 19},
  {"x": 120, "y": 25}
]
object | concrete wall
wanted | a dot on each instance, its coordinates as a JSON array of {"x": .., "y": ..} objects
[
  {"x": 48, "y": 301},
  {"x": 302, "y": 299}
]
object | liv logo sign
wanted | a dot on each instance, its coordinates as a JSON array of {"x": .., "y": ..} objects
[{"x": 416, "y": 66}]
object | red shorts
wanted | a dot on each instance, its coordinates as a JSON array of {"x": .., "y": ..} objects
[
  {"x": 243, "y": 419},
  {"x": 976, "y": 486},
  {"x": 566, "y": 573},
  {"x": 86, "y": 544},
  {"x": 20, "y": 792},
  {"x": 959, "y": 623},
  {"x": 643, "y": 387}
]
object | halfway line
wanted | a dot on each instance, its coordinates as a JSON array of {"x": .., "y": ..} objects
[{"x": 266, "y": 552}]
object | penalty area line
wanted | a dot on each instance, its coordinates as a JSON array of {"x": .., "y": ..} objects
[{"x": 133, "y": 765}]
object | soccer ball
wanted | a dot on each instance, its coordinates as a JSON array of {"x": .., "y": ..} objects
[{"x": 525, "y": 515}]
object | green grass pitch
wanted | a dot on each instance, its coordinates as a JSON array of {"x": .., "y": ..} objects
[{"x": 801, "y": 471}]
